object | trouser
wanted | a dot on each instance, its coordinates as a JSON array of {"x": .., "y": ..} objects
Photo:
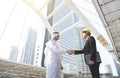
[{"x": 94, "y": 69}]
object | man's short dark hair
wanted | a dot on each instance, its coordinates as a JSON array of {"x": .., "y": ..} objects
[
  {"x": 88, "y": 33},
  {"x": 55, "y": 32}
]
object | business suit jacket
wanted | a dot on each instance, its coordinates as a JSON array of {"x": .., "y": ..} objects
[{"x": 89, "y": 48}]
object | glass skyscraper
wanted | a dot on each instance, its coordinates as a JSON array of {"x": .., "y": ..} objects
[
  {"x": 14, "y": 54},
  {"x": 70, "y": 40},
  {"x": 79, "y": 44},
  {"x": 29, "y": 49}
]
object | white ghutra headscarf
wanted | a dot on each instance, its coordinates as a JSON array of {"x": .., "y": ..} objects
[{"x": 54, "y": 34}]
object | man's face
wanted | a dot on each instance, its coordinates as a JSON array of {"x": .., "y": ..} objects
[
  {"x": 84, "y": 34},
  {"x": 57, "y": 37}
]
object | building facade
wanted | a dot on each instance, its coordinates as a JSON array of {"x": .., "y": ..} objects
[
  {"x": 70, "y": 40},
  {"x": 29, "y": 49},
  {"x": 14, "y": 54}
]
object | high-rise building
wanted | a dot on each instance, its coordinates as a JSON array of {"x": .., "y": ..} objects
[
  {"x": 39, "y": 48},
  {"x": 43, "y": 38},
  {"x": 13, "y": 54},
  {"x": 79, "y": 44},
  {"x": 29, "y": 49},
  {"x": 70, "y": 40},
  {"x": 116, "y": 67}
]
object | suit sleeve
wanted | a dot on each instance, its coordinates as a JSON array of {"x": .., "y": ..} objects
[
  {"x": 93, "y": 48},
  {"x": 79, "y": 51}
]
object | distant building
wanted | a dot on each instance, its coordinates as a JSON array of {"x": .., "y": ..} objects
[
  {"x": 43, "y": 38},
  {"x": 13, "y": 54},
  {"x": 29, "y": 49},
  {"x": 117, "y": 65}
]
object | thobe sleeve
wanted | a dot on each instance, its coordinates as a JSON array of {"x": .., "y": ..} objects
[
  {"x": 55, "y": 48},
  {"x": 62, "y": 50}
]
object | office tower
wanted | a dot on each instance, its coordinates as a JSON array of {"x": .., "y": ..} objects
[
  {"x": 69, "y": 40},
  {"x": 79, "y": 44},
  {"x": 29, "y": 49},
  {"x": 117, "y": 67},
  {"x": 13, "y": 54},
  {"x": 39, "y": 55}
]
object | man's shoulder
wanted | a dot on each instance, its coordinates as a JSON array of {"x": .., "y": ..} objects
[
  {"x": 91, "y": 37},
  {"x": 50, "y": 42}
]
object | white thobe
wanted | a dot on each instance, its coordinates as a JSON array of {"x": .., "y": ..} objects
[{"x": 52, "y": 59}]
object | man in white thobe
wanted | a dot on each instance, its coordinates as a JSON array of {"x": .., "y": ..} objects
[{"x": 52, "y": 57}]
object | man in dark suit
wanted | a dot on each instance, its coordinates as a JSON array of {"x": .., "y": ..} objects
[{"x": 89, "y": 48}]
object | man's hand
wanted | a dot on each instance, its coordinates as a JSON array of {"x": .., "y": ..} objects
[{"x": 70, "y": 52}]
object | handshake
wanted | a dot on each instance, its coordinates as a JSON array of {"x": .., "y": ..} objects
[{"x": 70, "y": 52}]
